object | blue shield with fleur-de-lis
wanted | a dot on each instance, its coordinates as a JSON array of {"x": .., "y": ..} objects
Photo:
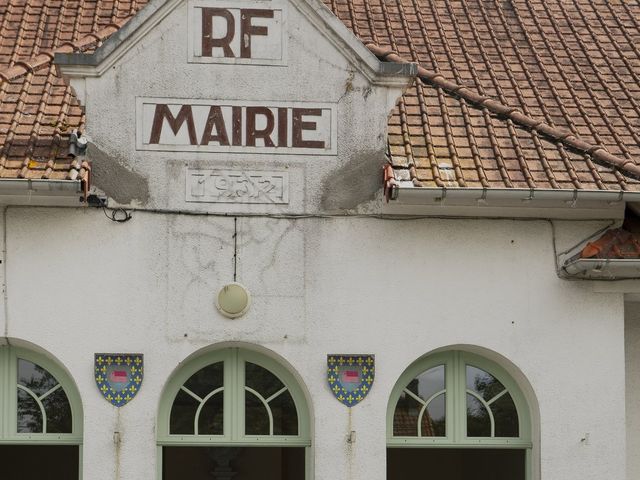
[
  {"x": 119, "y": 376},
  {"x": 350, "y": 377}
]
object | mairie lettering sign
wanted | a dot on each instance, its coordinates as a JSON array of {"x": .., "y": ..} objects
[
  {"x": 238, "y": 32},
  {"x": 236, "y": 126}
]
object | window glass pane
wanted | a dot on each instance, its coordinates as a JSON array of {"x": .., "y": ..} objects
[
  {"x": 29, "y": 414},
  {"x": 478, "y": 421},
  {"x": 34, "y": 377},
  {"x": 506, "y": 416},
  {"x": 261, "y": 380},
  {"x": 428, "y": 383},
  {"x": 256, "y": 416},
  {"x": 207, "y": 379},
  {"x": 433, "y": 418},
  {"x": 455, "y": 464},
  {"x": 236, "y": 463},
  {"x": 183, "y": 413},
  {"x": 39, "y": 462},
  {"x": 483, "y": 383},
  {"x": 210, "y": 421},
  {"x": 285, "y": 416},
  {"x": 405, "y": 416},
  {"x": 58, "y": 411}
]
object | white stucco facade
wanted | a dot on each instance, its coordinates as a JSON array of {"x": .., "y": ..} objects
[
  {"x": 328, "y": 272},
  {"x": 398, "y": 289}
]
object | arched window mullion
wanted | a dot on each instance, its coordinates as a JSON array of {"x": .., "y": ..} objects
[
  {"x": 414, "y": 396},
  {"x": 503, "y": 392},
  {"x": 39, "y": 403},
  {"x": 203, "y": 401},
  {"x": 46, "y": 394},
  {"x": 277, "y": 394},
  {"x": 487, "y": 408},
  {"x": 190, "y": 393},
  {"x": 266, "y": 406},
  {"x": 424, "y": 408},
  {"x": 454, "y": 432},
  {"x": 234, "y": 409}
]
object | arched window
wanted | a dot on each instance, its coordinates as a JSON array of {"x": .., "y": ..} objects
[
  {"x": 468, "y": 410},
  {"x": 40, "y": 417},
  {"x": 245, "y": 408}
]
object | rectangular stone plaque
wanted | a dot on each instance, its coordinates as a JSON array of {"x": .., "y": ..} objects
[
  {"x": 237, "y": 32},
  {"x": 233, "y": 126},
  {"x": 237, "y": 186}
]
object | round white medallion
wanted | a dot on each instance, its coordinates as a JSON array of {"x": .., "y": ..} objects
[{"x": 233, "y": 300}]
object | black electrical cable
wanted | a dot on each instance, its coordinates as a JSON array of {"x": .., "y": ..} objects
[{"x": 119, "y": 215}]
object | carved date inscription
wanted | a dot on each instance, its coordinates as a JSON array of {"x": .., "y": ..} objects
[{"x": 233, "y": 186}]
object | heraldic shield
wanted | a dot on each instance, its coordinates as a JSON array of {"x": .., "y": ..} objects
[
  {"x": 119, "y": 376},
  {"x": 350, "y": 377}
]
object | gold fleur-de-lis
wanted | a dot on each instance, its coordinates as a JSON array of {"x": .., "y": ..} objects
[
  {"x": 104, "y": 388},
  {"x": 336, "y": 389},
  {"x": 138, "y": 361},
  {"x": 109, "y": 360},
  {"x": 100, "y": 360},
  {"x": 360, "y": 360},
  {"x": 128, "y": 361}
]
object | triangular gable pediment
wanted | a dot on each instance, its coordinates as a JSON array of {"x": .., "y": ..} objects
[
  {"x": 251, "y": 102},
  {"x": 273, "y": 50}
]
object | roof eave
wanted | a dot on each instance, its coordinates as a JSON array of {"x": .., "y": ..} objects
[
  {"x": 42, "y": 192},
  {"x": 509, "y": 202},
  {"x": 602, "y": 269}
]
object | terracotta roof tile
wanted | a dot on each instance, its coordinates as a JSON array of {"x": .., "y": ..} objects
[
  {"x": 518, "y": 94},
  {"x": 37, "y": 108}
]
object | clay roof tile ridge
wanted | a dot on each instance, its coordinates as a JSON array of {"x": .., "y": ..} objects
[
  {"x": 565, "y": 137},
  {"x": 44, "y": 58}
]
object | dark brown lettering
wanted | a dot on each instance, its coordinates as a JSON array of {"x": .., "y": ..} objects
[
  {"x": 215, "y": 119},
  {"x": 247, "y": 29},
  {"x": 298, "y": 126},
  {"x": 251, "y": 133},
  {"x": 282, "y": 127},
  {"x": 236, "y": 122},
  {"x": 163, "y": 113},
  {"x": 208, "y": 42}
]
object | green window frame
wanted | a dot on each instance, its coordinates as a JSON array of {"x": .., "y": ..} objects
[
  {"x": 455, "y": 365},
  {"x": 234, "y": 391},
  {"x": 9, "y": 388}
]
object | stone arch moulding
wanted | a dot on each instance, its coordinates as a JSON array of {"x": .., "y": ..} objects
[
  {"x": 217, "y": 380},
  {"x": 457, "y": 357}
]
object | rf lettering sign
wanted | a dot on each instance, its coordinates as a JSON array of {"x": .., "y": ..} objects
[
  {"x": 188, "y": 125},
  {"x": 239, "y": 32}
]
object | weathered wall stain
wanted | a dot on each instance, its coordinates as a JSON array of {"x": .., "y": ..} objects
[
  {"x": 116, "y": 180},
  {"x": 349, "y": 186}
]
